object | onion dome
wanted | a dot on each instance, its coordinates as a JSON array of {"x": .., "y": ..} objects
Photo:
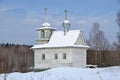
[{"x": 66, "y": 23}]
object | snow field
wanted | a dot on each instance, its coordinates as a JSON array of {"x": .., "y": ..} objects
[{"x": 68, "y": 73}]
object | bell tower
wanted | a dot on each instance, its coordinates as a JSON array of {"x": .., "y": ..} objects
[{"x": 45, "y": 31}]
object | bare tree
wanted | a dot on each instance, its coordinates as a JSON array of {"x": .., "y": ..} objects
[
  {"x": 118, "y": 19},
  {"x": 118, "y": 34},
  {"x": 97, "y": 41},
  {"x": 117, "y": 44}
]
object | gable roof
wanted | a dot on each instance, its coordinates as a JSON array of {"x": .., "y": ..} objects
[{"x": 58, "y": 39}]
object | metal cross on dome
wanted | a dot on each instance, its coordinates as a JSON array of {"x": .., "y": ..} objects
[
  {"x": 46, "y": 14},
  {"x": 65, "y": 14}
]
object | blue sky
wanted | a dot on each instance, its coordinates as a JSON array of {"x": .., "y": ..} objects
[{"x": 20, "y": 18}]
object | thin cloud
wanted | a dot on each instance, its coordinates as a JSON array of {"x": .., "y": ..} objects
[
  {"x": 81, "y": 21},
  {"x": 3, "y": 9}
]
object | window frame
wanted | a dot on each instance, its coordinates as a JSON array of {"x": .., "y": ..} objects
[
  {"x": 64, "y": 56},
  {"x": 43, "y": 56},
  {"x": 55, "y": 56}
]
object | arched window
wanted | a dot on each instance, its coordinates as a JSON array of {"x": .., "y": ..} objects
[{"x": 42, "y": 34}]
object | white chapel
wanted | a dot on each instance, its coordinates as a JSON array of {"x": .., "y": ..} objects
[{"x": 65, "y": 48}]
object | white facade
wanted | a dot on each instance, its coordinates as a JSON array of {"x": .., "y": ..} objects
[{"x": 75, "y": 57}]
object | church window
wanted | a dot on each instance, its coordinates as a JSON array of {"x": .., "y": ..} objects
[
  {"x": 64, "y": 55},
  {"x": 43, "y": 56},
  {"x": 42, "y": 34},
  {"x": 56, "y": 56}
]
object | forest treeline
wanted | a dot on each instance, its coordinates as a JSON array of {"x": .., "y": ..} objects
[
  {"x": 103, "y": 58},
  {"x": 21, "y": 58},
  {"x": 16, "y": 58}
]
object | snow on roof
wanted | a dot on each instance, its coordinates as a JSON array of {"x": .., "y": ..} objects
[
  {"x": 66, "y": 21},
  {"x": 46, "y": 28},
  {"x": 70, "y": 38},
  {"x": 46, "y": 24},
  {"x": 58, "y": 39}
]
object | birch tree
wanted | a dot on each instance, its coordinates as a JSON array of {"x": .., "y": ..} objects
[
  {"x": 97, "y": 39},
  {"x": 117, "y": 44},
  {"x": 97, "y": 42}
]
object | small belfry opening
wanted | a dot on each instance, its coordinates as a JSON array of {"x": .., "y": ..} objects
[
  {"x": 42, "y": 34},
  {"x": 66, "y": 23}
]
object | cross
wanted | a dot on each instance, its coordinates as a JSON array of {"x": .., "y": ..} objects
[
  {"x": 46, "y": 14},
  {"x": 65, "y": 14}
]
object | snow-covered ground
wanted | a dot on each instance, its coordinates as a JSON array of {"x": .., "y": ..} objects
[{"x": 68, "y": 73}]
